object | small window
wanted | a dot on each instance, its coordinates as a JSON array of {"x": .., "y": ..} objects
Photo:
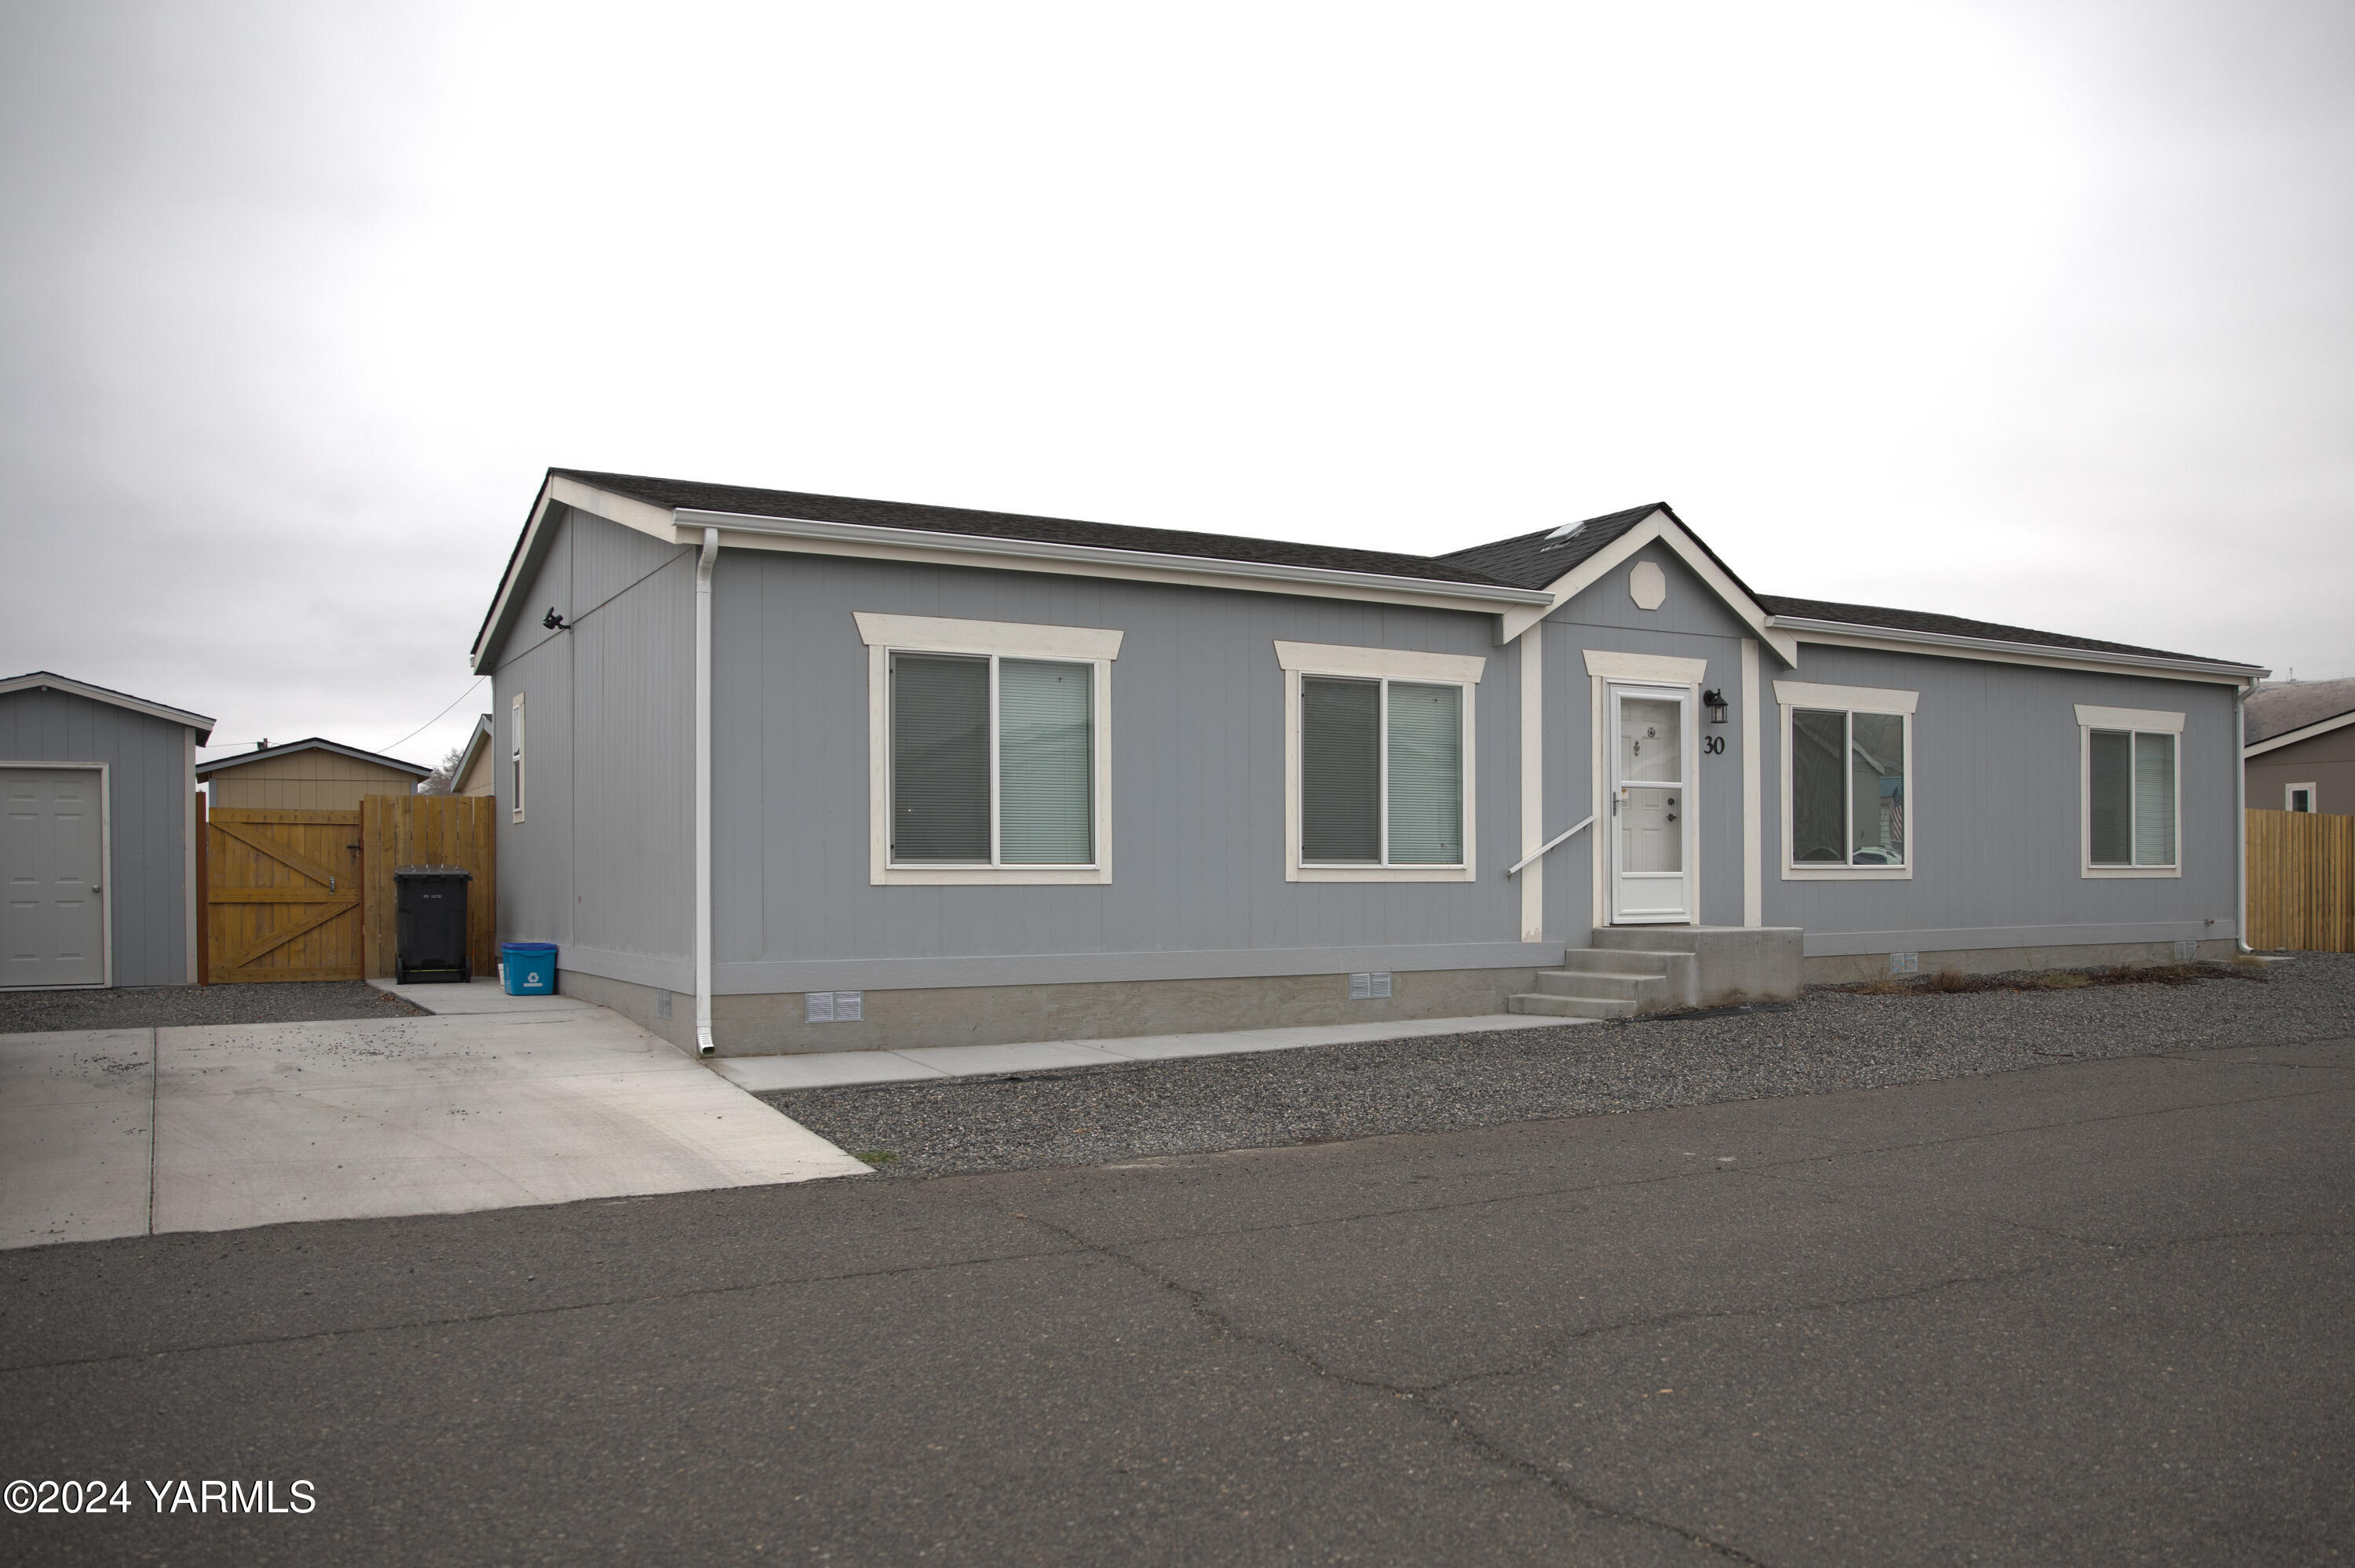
[
  {"x": 2299, "y": 797},
  {"x": 1848, "y": 787},
  {"x": 2130, "y": 799},
  {"x": 515, "y": 740},
  {"x": 993, "y": 761},
  {"x": 1381, "y": 773}
]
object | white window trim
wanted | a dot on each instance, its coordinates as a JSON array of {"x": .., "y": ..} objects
[
  {"x": 887, "y": 634},
  {"x": 2146, "y": 721},
  {"x": 515, "y": 757},
  {"x": 2313, "y": 799},
  {"x": 1658, "y": 669},
  {"x": 1791, "y": 696},
  {"x": 1299, "y": 659}
]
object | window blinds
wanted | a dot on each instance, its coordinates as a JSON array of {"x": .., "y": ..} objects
[
  {"x": 2154, "y": 787},
  {"x": 1340, "y": 771},
  {"x": 1426, "y": 806},
  {"x": 1044, "y": 809},
  {"x": 940, "y": 759}
]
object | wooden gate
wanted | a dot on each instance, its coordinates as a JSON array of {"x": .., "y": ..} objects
[
  {"x": 2301, "y": 882},
  {"x": 431, "y": 830},
  {"x": 282, "y": 895}
]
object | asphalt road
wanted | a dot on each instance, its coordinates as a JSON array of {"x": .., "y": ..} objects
[{"x": 2103, "y": 1311}]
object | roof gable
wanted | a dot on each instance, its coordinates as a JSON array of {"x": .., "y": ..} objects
[
  {"x": 239, "y": 759},
  {"x": 45, "y": 680}
]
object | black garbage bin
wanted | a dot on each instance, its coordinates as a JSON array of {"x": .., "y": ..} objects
[{"x": 430, "y": 924}]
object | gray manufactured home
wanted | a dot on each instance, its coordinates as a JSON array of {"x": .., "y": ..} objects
[
  {"x": 97, "y": 860},
  {"x": 790, "y": 772}
]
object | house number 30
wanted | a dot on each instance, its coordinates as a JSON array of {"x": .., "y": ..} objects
[{"x": 1714, "y": 745}]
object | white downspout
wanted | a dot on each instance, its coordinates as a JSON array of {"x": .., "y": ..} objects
[
  {"x": 2241, "y": 817},
  {"x": 703, "y": 1045}
]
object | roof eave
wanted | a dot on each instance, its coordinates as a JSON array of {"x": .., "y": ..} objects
[
  {"x": 2041, "y": 652},
  {"x": 50, "y": 680},
  {"x": 691, "y": 521},
  {"x": 311, "y": 743}
]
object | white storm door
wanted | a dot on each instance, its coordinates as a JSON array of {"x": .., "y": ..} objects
[
  {"x": 53, "y": 927},
  {"x": 1651, "y": 882}
]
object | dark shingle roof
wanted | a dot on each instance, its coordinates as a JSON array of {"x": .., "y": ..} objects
[
  {"x": 1956, "y": 626},
  {"x": 2278, "y": 707},
  {"x": 672, "y": 492},
  {"x": 1539, "y": 560}
]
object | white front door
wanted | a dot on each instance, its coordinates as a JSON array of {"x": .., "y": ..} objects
[
  {"x": 1651, "y": 877},
  {"x": 53, "y": 927}
]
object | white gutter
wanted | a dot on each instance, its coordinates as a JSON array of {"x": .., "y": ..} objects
[
  {"x": 703, "y": 1045},
  {"x": 2033, "y": 649},
  {"x": 2241, "y": 820},
  {"x": 1098, "y": 554}
]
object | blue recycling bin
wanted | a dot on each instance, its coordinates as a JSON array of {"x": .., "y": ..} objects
[{"x": 527, "y": 968}]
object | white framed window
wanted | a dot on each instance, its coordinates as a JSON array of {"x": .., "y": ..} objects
[
  {"x": 514, "y": 759},
  {"x": 1848, "y": 782},
  {"x": 989, "y": 751},
  {"x": 1377, "y": 775},
  {"x": 2129, "y": 789},
  {"x": 2299, "y": 797}
]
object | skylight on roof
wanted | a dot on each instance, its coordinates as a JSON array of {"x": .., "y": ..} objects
[{"x": 1567, "y": 531}]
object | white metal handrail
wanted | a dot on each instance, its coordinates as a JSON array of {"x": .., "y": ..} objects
[{"x": 1547, "y": 845}]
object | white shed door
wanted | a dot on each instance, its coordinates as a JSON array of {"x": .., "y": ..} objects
[{"x": 54, "y": 928}]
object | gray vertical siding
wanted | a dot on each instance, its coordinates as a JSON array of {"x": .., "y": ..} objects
[
  {"x": 1197, "y": 788},
  {"x": 603, "y": 863},
  {"x": 1691, "y": 623},
  {"x": 147, "y": 815},
  {"x": 1995, "y": 816}
]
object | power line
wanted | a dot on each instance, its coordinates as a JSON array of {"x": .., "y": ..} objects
[{"x": 437, "y": 718}]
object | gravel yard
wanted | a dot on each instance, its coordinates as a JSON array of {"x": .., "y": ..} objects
[
  {"x": 170, "y": 1006},
  {"x": 1828, "y": 1040}
]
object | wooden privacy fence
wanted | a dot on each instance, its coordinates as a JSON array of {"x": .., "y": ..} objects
[
  {"x": 308, "y": 895},
  {"x": 431, "y": 830},
  {"x": 2301, "y": 882},
  {"x": 282, "y": 895}
]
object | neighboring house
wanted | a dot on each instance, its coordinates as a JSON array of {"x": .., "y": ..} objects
[
  {"x": 2298, "y": 760},
  {"x": 829, "y": 773},
  {"x": 98, "y": 862},
  {"x": 312, "y": 775},
  {"x": 473, "y": 774}
]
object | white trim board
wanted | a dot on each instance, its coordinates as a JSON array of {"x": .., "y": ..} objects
[
  {"x": 1854, "y": 699},
  {"x": 1532, "y": 672},
  {"x": 2305, "y": 731},
  {"x": 1013, "y": 639},
  {"x": 2152, "y": 719},
  {"x": 1658, "y": 669}
]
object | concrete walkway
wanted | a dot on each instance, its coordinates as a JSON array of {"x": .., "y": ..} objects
[
  {"x": 477, "y": 996},
  {"x": 125, "y": 1132},
  {"x": 830, "y": 1069}
]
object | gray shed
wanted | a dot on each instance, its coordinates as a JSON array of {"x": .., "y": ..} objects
[{"x": 99, "y": 858}]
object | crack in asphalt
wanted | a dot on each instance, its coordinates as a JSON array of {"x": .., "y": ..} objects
[
  {"x": 1459, "y": 1427},
  {"x": 1764, "y": 1170}
]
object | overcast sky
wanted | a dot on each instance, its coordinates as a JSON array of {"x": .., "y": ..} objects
[{"x": 2041, "y": 312}]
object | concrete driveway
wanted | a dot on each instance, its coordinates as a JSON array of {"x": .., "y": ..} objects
[{"x": 124, "y": 1132}]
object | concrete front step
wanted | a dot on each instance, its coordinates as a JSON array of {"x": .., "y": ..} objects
[
  {"x": 1626, "y": 987},
  {"x": 1574, "y": 1006}
]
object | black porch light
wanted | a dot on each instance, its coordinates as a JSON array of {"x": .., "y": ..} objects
[{"x": 1714, "y": 700}]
